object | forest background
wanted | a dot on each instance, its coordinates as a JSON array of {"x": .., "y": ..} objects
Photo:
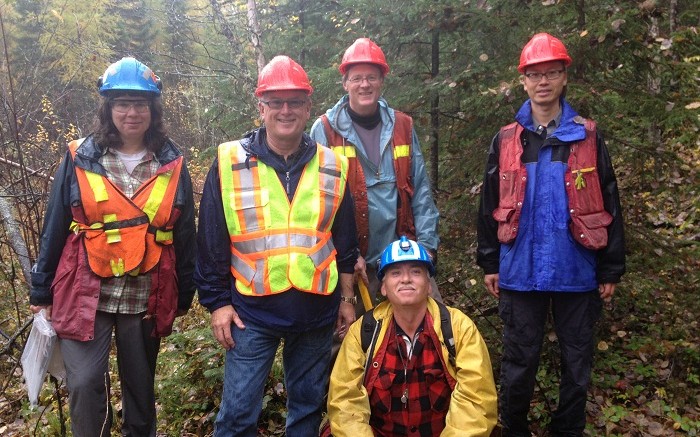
[{"x": 636, "y": 70}]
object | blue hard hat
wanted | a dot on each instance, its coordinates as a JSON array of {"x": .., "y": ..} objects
[
  {"x": 128, "y": 74},
  {"x": 404, "y": 250}
]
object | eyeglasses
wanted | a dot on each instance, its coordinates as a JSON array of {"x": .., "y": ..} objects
[
  {"x": 123, "y": 106},
  {"x": 372, "y": 79},
  {"x": 279, "y": 103},
  {"x": 550, "y": 75}
]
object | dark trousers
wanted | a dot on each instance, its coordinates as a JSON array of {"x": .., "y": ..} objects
[
  {"x": 87, "y": 376},
  {"x": 524, "y": 316}
]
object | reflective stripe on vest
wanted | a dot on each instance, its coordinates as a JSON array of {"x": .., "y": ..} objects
[
  {"x": 401, "y": 141},
  {"x": 589, "y": 220},
  {"x": 122, "y": 235},
  {"x": 276, "y": 245}
]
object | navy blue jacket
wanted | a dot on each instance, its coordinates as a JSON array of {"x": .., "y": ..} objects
[{"x": 292, "y": 310}]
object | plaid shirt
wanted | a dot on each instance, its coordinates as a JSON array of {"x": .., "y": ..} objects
[
  {"x": 425, "y": 382},
  {"x": 127, "y": 294}
]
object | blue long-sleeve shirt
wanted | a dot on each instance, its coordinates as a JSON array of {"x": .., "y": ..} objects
[{"x": 292, "y": 310}]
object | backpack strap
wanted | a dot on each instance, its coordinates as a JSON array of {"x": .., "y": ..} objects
[
  {"x": 368, "y": 335},
  {"x": 447, "y": 334}
]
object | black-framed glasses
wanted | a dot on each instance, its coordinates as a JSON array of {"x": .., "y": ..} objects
[
  {"x": 550, "y": 75},
  {"x": 279, "y": 103},
  {"x": 372, "y": 79},
  {"x": 123, "y": 106}
]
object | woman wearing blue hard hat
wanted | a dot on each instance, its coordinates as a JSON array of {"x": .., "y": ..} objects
[{"x": 116, "y": 252}]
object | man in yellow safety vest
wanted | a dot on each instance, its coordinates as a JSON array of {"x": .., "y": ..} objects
[{"x": 277, "y": 234}]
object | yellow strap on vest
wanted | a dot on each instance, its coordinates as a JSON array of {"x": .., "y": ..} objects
[
  {"x": 402, "y": 151},
  {"x": 117, "y": 267},
  {"x": 113, "y": 235},
  {"x": 157, "y": 195},
  {"x": 98, "y": 186},
  {"x": 348, "y": 151},
  {"x": 580, "y": 182},
  {"x": 164, "y": 236}
]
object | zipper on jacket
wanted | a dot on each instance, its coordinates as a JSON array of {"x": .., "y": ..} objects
[{"x": 287, "y": 174}]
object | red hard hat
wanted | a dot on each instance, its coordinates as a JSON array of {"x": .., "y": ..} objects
[
  {"x": 282, "y": 74},
  {"x": 364, "y": 51},
  {"x": 543, "y": 47}
]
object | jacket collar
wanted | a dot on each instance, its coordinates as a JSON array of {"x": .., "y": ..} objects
[
  {"x": 255, "y": 145},
  {"x": 340, "y": 120},
  {"x": 571, "y": 126},
  {"x": 89, "y": 152}
]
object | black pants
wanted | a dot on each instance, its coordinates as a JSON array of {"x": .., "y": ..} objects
[{"x": 524, "y": 316}]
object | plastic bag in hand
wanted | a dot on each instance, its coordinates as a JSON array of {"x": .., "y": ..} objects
[{"x": 37, "y": 355}]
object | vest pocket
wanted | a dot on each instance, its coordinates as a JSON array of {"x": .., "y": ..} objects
[
  {"x": 507, "y": 224},
  {"x": 250, "y": 206},
  {"x": 591, "y": 230},
  {"x": 508, "y": 186},
  {"x": 511, "y": 184}
]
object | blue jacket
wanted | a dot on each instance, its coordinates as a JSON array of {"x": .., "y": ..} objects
[
  {"x": 544, "y": 256},
  {"x": 292, "y": 310},
  {"x": 381, "y": 182}
]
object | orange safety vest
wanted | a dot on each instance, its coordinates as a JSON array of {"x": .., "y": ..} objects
[
  {"x": 276, "y": 244},
  {"x": 401, "y": 141},
  {"x": 123, "y": 235},
  {"x": 589, "y": 219}
]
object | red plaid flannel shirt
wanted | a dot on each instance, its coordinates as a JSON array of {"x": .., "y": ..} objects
[{"x": 429, "y": 389}]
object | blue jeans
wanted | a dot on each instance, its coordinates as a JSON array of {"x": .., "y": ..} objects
[{"x": 306, "y": 359}]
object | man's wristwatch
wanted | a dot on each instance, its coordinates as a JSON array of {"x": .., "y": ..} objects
[{"x": 352, "y": 299}]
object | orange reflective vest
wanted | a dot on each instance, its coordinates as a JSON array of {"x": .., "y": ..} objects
[
  {"x": 401, "y": 141},
  {"x": 589, "y": 219},
  {"x": 277, "y": 245},
  {"x": 123, "y": 235}
]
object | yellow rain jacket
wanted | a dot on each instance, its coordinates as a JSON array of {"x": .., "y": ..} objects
[{"x": 473, "y": 404}]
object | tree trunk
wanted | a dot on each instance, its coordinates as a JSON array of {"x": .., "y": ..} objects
[
  {"x": 581, "y": 11},
  {"x": 672, "y": 15},
  {"x": 14, "y": 236},
  {"x": 654, "y": 88},
  {"x": 255, "y": 33},
  {"x": 435, "y": 110}
]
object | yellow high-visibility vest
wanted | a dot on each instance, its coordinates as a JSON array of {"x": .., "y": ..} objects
[{"x": 277, "y": 245}]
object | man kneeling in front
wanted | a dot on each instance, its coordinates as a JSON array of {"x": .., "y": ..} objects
[{"x": 411, "y": 366}]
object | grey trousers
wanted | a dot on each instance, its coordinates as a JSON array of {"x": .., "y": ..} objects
[{"x": 87, "y": 376}]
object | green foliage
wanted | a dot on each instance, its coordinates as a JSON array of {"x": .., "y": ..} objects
[
  {"x": 193, "y": 365},
  {"x": 634, "y": 71}
]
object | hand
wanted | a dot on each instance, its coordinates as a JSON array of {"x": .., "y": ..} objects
[
  {"x": 36, "y": 308},
  {"x": 491, "y": 282},
  {"x": 361, "y": 271},
  {"x": 346, "y": 315},
  {"x": 606, "y": 291},
  {"x": 221, "y": 320}
]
